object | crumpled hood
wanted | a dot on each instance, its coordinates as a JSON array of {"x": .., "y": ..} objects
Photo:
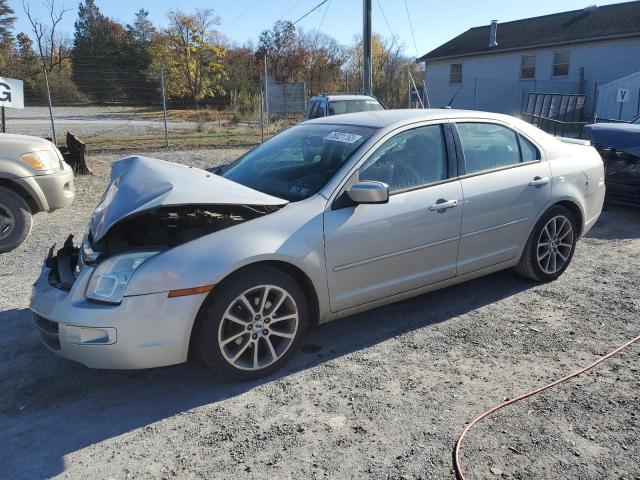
[
  {"x": 141, "y": 183},
  {"x": 623, "y": 137}
]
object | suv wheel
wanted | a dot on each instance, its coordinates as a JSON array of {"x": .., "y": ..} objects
[
  {"x": 252, "y": 323},
  {"x": 15, "y": 220}
]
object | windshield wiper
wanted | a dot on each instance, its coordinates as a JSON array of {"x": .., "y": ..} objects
[{"x": 218, "y": 169}]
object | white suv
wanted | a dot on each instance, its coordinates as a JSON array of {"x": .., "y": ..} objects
[{"x": 324, "y": 105}]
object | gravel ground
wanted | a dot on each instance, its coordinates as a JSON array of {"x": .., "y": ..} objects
[{"x": 379, "y": 395}]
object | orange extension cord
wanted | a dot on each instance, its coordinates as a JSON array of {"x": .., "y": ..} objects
[{"x": 458, "y": 464}]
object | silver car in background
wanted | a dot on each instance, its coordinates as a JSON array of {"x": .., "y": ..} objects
[{"x": 332, "y": 217}]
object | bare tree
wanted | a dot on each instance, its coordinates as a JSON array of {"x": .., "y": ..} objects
[{"x": 51, "y": 48}]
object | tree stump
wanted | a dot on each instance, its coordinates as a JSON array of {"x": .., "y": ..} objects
[{"x": 74, "y": 155}]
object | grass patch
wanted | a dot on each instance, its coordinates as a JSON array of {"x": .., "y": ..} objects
[{"x": 176, "y": 139}]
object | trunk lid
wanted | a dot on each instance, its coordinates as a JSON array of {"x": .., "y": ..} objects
[{"x": 140, "y": 183}]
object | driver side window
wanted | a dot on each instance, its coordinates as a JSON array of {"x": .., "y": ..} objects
[{"x": 408, "y": 160}]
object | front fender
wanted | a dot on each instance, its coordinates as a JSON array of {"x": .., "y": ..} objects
[
  {"x": 293, "y": 234},
  {"x": 27, "y": 186}
]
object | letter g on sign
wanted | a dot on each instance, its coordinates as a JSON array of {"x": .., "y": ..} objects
[{"x": 5, "y": 92}]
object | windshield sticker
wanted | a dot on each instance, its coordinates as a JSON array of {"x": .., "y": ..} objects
[{"x": 343, "y": 137}]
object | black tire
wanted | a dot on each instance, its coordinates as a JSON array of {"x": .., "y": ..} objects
[
  {"x": 18, "y": 220},
  {"x": 224, "y": 295},
  {"x": 529, "y": 265}
]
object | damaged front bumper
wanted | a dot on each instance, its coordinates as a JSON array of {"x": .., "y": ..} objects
[{"x": 144, "y": 331}]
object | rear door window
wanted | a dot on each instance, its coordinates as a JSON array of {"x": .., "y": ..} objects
[
  {"x": 528, "y": 150},
  {"x": 489, "y": 146}
]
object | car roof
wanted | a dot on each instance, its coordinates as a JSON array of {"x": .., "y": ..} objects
[
  {"x": 388, "y": 118},
  {"x": 332, "y": 97}
]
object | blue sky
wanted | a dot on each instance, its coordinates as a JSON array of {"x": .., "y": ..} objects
[{"x": 434, "y": 22}]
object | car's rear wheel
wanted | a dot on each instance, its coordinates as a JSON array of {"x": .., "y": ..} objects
[
  {"x": 252, "y": 323},
  {"x": 15, "y": 220},
  {"x": 550, "y": 247}
]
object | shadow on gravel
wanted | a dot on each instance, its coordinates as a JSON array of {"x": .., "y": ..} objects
[
  {"x": 50, "y": 407},
  {"x": 617, "y": 223}
]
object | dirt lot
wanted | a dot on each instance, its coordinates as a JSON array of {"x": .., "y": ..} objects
[{"x": 378, "y": 395}]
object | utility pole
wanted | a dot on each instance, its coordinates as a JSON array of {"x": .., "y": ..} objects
[{"x": 367, "y": 70}]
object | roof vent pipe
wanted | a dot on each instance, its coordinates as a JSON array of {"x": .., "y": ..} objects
[{"x": 493, "y": 35}]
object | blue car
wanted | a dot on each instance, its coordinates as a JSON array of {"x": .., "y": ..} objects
[{"x": 619, "y": 146}]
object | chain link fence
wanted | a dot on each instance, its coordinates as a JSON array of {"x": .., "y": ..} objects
[{"x": 120, "y": 107}]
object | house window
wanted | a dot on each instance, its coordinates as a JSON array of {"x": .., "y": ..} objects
[
  {"x": 561, "y": 64},
  {"x": 456, "y": 73},
  {"x": 528, "y": 67}
]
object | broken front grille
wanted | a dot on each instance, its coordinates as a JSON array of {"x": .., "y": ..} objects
[{"x": 63, "y": 265}]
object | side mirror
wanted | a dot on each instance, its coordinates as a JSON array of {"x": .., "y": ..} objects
[{"x": 369, "y": 192}]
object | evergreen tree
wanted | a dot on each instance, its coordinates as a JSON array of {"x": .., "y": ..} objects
[
  {"x": 97, "y": 39},
  {"x": 108, "y": 64},
  {"x": 6, "y": 24},
  {"x": 142, "y": 30},
  {"x": 24, "y": 44},
  {"x": 140, "y": 37}
]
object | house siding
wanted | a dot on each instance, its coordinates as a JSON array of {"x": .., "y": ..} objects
[{"x": 492, "y": 82}]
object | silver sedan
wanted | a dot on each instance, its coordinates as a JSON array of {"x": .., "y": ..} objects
[{"x": 331, "y": 217}]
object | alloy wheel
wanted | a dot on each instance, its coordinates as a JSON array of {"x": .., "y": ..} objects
[
  {"x": 7, "y": 222},
  {"x": 258, "y": 327},
  {"x": 555, "y": 244}
]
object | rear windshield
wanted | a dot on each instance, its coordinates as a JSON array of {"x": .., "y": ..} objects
[
  {"x": 298, "y": 162},
  {"x": 338, "y": 107}
]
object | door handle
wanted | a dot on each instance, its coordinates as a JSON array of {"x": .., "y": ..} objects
[
  {"x": 539, "y": 181},
  {"x": 443, "y": 205}
]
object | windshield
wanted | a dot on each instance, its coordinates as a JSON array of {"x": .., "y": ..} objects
[
  {"x": 636, "y": 121},
  {"x": 339, "y": 107},
  {"x": 298, "y": 162}
]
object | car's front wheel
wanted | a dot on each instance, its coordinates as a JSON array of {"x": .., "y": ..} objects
[
  {"x": 550, "y": 247},
  {"x": 252, "y": 323},
  {"x": 15, "y": 220}
]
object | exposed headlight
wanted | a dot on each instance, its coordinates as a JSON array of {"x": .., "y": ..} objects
[
  {"x": 43, "y": 160},
  {"x": 110, "y": 279}
]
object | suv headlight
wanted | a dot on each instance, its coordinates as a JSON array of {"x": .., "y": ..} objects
[
  {"x": 110, "y": 279},
  {"x": 43, "y": 160}
]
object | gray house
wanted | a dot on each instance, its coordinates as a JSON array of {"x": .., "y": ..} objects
[{"x": 495, "y": 67}]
